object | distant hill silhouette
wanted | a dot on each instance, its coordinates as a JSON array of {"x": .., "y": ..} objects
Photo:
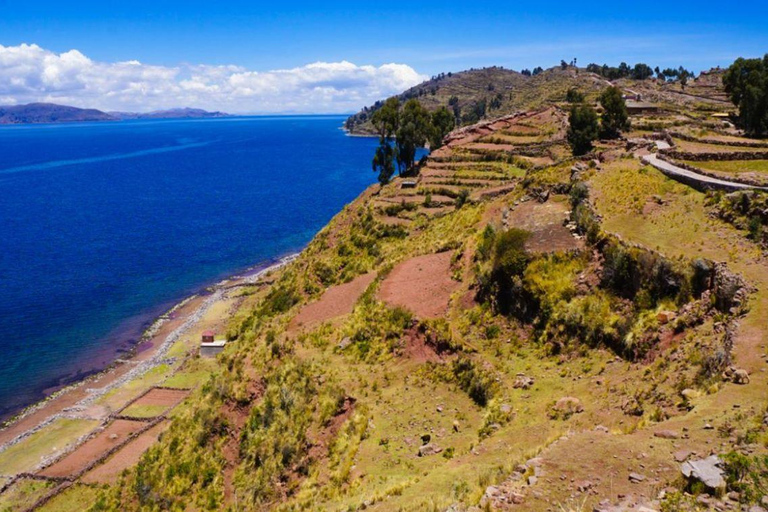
[
  {"x": 49, "y": 113},
  {"x": 33, "y": 113},
  {"x": 173, "y": 113}
]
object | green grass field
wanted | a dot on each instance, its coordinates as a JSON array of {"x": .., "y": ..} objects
[
  {"x": 733, "y": 166},
  {"x": 23, "y": 494},
  {"x": 28, "y": 453}
]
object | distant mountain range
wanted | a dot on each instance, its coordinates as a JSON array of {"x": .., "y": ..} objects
[{"x": 51, "y": 113}]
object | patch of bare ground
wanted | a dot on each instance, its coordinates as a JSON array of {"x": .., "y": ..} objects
[
  {"x": 237, "y": 415},
  {"x": 125, "y": 458},
  {"x": 545, "y": 221},
  {"x": 422, "y": 285},
  {"x": 336, "y": 301},
  {"x": 115, "y": 433},
  {"x": 419, "y": 347}
]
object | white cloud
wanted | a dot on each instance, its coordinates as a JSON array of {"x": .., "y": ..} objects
[{"x": 29, "y": 73}]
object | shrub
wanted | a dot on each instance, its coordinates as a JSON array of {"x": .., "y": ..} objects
[
  {"x": 462, "y": 198},
  {"x": 473, "y": 380}
]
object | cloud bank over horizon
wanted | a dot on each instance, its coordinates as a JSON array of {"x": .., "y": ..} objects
[{"x": 29, "y": 73}]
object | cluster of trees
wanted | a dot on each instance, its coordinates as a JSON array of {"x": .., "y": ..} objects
[
  {"x": 746, "y": 82},
  {"x": 669, "y": 74},
  {"x": 584, "y": 126},
  {"x": 639, "y": 71},
  {"x": 528, "y": 72},
  {"x": 402, "y": 131}
]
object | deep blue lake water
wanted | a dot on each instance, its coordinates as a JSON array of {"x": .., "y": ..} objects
[{"x": 105, "y": 225}]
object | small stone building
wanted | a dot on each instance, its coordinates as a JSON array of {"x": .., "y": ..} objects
[{"x": 209, "y": 346}]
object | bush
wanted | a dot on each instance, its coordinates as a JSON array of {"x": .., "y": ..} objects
[
  {"x": 473, "y": 380},
  {"x": 462, "y": 198},
  {"x": 502, "y": 283}
]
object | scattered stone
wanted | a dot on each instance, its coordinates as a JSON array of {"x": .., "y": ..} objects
[
  {"x": 426, "y": 438},
  {"x": 636, "y": 478},
  {"x": 631, "y": 407},
  {"x": 740, "y": 377},
  {"x": 523, "y": 382},
  {"x": 682, "y": 455},
  {"x": 666, "y": 434},
  {"x": 707, "y": 471},
  {"x": 429, "y": 449},
  {"x": 113, "y": 437},
  {"x": 534, "y": 462},
  {"x": 532, "y": 480},
  {"x": 756, "y": 508},
  {"x": 455, "y": 425},
  {"x": 345, "y": 342},
  {"x": 664, "y": 317},
  {"x": 707, "y": 426},
  {"x": 601, "y": 428},
  {"x": 439, "y": 408},
  {"x": 584, "y": 486}
]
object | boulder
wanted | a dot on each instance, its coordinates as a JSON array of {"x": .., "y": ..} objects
[
  {"x": 429, "y": 449},
  {"x": 740, "y": 376},
  {"x": 707, "y": 471},
  {"x": 567, "y": 407},
  {"x": 664, "y": 317},
  {"x": 523, "y": 382},
  {"x": 666, "y": 434},
  {"x": 631, "y": 407}
]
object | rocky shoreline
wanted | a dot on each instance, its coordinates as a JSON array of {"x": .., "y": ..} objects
[{"x": 106, "y": 380}]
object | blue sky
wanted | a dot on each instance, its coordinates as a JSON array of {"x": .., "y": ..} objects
[{"x": 428, "y": 37}]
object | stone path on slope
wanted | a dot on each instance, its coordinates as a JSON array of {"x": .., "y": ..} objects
[{"x": 693, "y": 178}]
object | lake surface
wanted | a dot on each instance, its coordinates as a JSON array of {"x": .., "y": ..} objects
[{"x": 103, "y": 226}]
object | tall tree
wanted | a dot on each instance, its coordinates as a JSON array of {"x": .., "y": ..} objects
[
  {"x": 615, "y": 117},
  {"x": 414, "y": 128},
  {"x": 746, "y": 82},
  {"x": 443, "y": 121},
  {"x": 583, "y": 128},
  {"x": 386, "y": 120}
]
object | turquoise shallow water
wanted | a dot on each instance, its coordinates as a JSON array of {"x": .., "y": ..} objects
[{"x": 105, "y": 225}]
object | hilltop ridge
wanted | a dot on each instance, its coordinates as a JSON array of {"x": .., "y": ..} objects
[{"x": 35, "y": 113}]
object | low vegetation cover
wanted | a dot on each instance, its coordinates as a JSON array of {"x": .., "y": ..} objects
[{"x": 589, "y": 327}]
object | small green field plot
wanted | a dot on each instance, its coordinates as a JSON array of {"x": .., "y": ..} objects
[
  {"x": 144, "y": 411},
  {"x": 78, "y": 497},
  {"x": 194, "y": 373},
  {"x": 118, "y": 397},
  {"x": 702, "y": 147},
  {"x": 23, "y": 494},
  {"x": 27, "y": 454},
  {"x": 754, "y": 169}
]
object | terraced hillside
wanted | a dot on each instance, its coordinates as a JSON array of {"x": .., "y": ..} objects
[
  {"x": 489, "y": 93},
  {"x": 509, "y": 329}
]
